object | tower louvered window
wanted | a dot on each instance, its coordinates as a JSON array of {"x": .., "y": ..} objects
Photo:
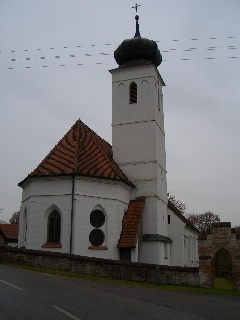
[
  {"x": 54, "y": 227},
  {"x": 133, "y": 93}
]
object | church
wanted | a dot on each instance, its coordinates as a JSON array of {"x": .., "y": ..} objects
[{"x": 92, "y": 199}]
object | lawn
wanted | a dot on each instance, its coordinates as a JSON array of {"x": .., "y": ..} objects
[{"x": 223, "y": 284}]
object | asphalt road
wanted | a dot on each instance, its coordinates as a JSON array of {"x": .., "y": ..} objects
[{"x": 33, "y": 296}]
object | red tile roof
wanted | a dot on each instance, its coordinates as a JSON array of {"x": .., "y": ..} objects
[
  {"x": 130, "y": 224},
  {"x": 10, "y": 232},
  {"x": 81, "y": 151}
]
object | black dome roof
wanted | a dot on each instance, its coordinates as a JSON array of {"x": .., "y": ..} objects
[{"x": 138, "y": 48}]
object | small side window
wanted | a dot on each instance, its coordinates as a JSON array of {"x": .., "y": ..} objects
[
  {"x": 169, "y": 219},
  {"x": 166, "y": 251},
  {"x": 133, "y": 92}
]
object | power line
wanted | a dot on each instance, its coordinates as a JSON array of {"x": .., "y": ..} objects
[
  {"x": 102, "y": 63},
  {"x": 65, "y": 56},
  {"x": 111, "y": 44},
  {"x": 75, "y": 55}
]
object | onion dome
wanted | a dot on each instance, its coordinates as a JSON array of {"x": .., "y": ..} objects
[{"x": 138, "y": 50}]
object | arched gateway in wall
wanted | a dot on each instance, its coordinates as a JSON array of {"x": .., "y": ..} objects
[
  {"x": 219, "y": 254},
  {"x": 222, "y": 263}
]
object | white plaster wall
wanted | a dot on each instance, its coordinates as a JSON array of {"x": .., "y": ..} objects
[
  {"x": 182, "y": 255},
  {"x": 39, "y": 208},
  {"x": 192, "y": 247},
  {"x": 22, "y": 231},
  {"x": 137, "y": 124},
  {"x": 113, "y": 199},
  {"x": 139, "y": 147},
  {"x": 102, "y": 188},
  {"x": 155, "y": 217},
  {"x": 176, "y": 234},
  {"x": 149, "y": 84},
  {"x": 135, "y": 253},
  {"x": 153, "y": 252},
  {"x": 41, "y": 196},
  {"x": 139, "y": 143},
  {"x": 138, "y": 136},
  {"x": 46, "y": 186}
]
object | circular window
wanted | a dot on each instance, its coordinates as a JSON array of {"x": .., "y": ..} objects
[
  {"x": 97, "y": 218},
  {"x": 96, "y": 237}
]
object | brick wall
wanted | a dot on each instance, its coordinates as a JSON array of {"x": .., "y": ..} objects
[
  {"x": 132, "y": 271},
  {"x": 220, "y": 236}
]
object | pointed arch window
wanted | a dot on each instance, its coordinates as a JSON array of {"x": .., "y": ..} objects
[
  {"x": 133, "y": 92},
  {"x": 54, "y": 227}
]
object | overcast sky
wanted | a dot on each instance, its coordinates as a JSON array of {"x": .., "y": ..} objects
[{"x": 201, "y": 98}]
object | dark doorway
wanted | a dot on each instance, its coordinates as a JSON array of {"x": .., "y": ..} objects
[
  {"x": 223, "y": 264},
  {"x": 125, "y": 254}
]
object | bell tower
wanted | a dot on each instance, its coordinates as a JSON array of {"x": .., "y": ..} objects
[{"x": 138, "y": 137}]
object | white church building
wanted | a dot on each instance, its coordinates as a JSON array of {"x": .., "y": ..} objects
[{"x": 92, "y": 199}]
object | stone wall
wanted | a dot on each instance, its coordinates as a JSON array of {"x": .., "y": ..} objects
[
  {"x": 220, "y": 236},
  {"x": 206, "y": 275},
  {"x": 2, "y": 240},
  {"x": 131, "y": 271}
]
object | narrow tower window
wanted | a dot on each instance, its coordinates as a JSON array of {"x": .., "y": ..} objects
[{"x": 133, "y": 93}]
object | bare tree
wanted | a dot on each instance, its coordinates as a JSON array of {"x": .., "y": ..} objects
[
  {"x": 203, "y": 221},
  {"x": 15, "y": 218},
  {"x": 177, "y": 203}
]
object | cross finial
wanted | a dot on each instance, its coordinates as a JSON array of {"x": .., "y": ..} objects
[
  {"x": 137, "y": 33},
  {"x": 136, "y": 6}
]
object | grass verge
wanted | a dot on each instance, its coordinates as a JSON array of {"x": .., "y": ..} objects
[{"x": 222, "y": 286}]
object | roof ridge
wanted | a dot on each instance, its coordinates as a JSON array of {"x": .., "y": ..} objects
[
  {"x": 78, "y": 141},
  {"x": 96, "y": 138},
  {"x": 52, "y": 150},
  {"x": 83, "y": 152}
]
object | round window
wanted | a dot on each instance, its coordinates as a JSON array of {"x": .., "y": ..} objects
[
  {"x": 96, "y": 237},
  {"x": 97, "y": 218}
]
